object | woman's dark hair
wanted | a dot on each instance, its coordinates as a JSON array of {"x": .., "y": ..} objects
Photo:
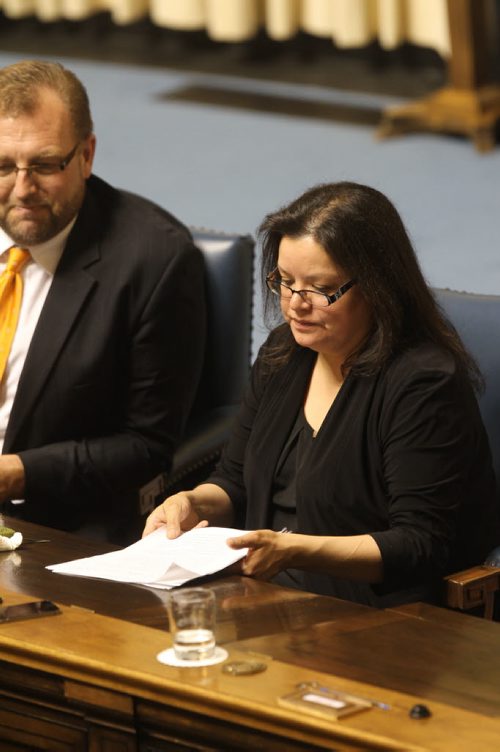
[{"x": 363, "y": 233}]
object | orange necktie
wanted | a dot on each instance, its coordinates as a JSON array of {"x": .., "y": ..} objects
[{"x": 11, "y": 293}]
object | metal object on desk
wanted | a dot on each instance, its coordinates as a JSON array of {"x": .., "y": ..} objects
[{"x": 244, "y": 668}]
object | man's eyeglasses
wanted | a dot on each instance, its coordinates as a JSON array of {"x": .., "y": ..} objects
[
  {"x": 38, "y": 169},
  {"x": 314, "y": 298}
]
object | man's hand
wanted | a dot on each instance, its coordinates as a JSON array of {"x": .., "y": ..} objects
[{"x": 11, "y": 477}]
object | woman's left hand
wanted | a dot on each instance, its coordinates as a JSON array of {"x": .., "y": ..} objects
[{"x": 269, "y": 552}]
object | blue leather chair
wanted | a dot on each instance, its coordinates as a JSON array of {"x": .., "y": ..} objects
[
  {"x": 229, "y": 277},
  {"x": 477, "y": 319}
]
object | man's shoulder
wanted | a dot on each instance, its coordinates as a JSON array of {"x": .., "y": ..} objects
[{"x": 130, "y": 209}]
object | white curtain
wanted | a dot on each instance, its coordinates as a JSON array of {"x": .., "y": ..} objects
[{"x": 349, "y": 23}]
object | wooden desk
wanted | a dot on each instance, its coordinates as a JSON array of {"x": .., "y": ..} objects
[{"x": 89, "y": 679}]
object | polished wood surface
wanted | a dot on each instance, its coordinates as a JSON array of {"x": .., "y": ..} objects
[
  {"x": 24, "y": 571},
  {"x": 107, "y": 660},
  {"x": 453, "y": 660}
]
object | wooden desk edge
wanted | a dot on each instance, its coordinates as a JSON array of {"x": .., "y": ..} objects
[{"x": 249, "y": 702}]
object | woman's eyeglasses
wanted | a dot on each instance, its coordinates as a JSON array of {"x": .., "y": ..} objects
[{"x": 314, "y": 298}]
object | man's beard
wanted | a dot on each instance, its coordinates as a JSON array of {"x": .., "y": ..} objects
[{"x": 46, "y": 224}]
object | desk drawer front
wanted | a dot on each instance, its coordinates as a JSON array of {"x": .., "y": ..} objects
[
  {"x": 37, "y": 727},
  {"x": 164, "y": 729},
  {"x": 40, "y": 711}
]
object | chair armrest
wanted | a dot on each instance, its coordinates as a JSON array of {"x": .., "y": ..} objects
[
  {"x": 200, "y": 449},
  {"x": 473, "y": 588}
]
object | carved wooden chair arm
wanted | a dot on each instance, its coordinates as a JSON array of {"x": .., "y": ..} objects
[{"x": 473, "y": 588}]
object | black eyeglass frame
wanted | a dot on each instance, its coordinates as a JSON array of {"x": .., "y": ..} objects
[
  {"x": 272, "y": 281},
  {"x": 52, "y": 168}
]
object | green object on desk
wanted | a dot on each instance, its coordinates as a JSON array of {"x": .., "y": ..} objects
[{"x": 6, "y": 532}]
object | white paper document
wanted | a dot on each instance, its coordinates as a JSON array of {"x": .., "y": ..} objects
[{"x": 159, "y": 562}]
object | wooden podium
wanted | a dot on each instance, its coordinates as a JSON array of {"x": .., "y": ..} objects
[{"x": 470, "y": 104}]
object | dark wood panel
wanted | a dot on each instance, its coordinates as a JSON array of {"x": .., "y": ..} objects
[
  {"x": 38, "y": 726},
  {"x": 200, "y": 733},
  {"x": 42, "y": 711}
]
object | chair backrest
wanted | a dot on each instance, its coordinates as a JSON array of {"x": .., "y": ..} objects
[
  {"x": 229, "y": 284},
  {"x": 477, "y": 320},
  {"x": 229, "y": 280}
]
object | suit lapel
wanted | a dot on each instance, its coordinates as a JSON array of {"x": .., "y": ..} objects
[{"x": 71, "y": 287}]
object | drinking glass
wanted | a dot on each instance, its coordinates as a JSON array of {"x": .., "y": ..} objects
[{"x": 192, "y": 623}]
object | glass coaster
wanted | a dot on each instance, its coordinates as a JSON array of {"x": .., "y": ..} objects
[{"x": 169, "y": 658}]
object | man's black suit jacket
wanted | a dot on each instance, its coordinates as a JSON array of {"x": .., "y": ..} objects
[{"x": 113, "y": 365}]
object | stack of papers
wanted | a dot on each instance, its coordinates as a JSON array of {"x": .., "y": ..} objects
[{"x": 159, "y": 562}]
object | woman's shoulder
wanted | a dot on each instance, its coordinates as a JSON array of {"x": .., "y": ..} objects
[
  {"x": 422, "y": 358},
  {"x": 425, "y": 366}
]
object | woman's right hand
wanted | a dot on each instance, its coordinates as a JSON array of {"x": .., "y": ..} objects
[{"x": 177, "y": 513}]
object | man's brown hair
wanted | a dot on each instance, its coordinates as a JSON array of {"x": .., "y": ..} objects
[{"x": 22, "y": 85}]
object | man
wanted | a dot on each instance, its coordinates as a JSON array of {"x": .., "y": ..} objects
[{"x": 109, "y": 339}]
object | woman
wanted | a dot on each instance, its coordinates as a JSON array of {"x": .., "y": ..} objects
[{"x": 359, "y": 429}]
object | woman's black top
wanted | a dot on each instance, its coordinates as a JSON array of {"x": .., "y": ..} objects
[
  {"x": 284, "y": 507},
  {"x": 401, "y": 455}
]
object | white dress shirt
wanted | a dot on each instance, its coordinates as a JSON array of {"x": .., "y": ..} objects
[{"x": 37, "y": 275}]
